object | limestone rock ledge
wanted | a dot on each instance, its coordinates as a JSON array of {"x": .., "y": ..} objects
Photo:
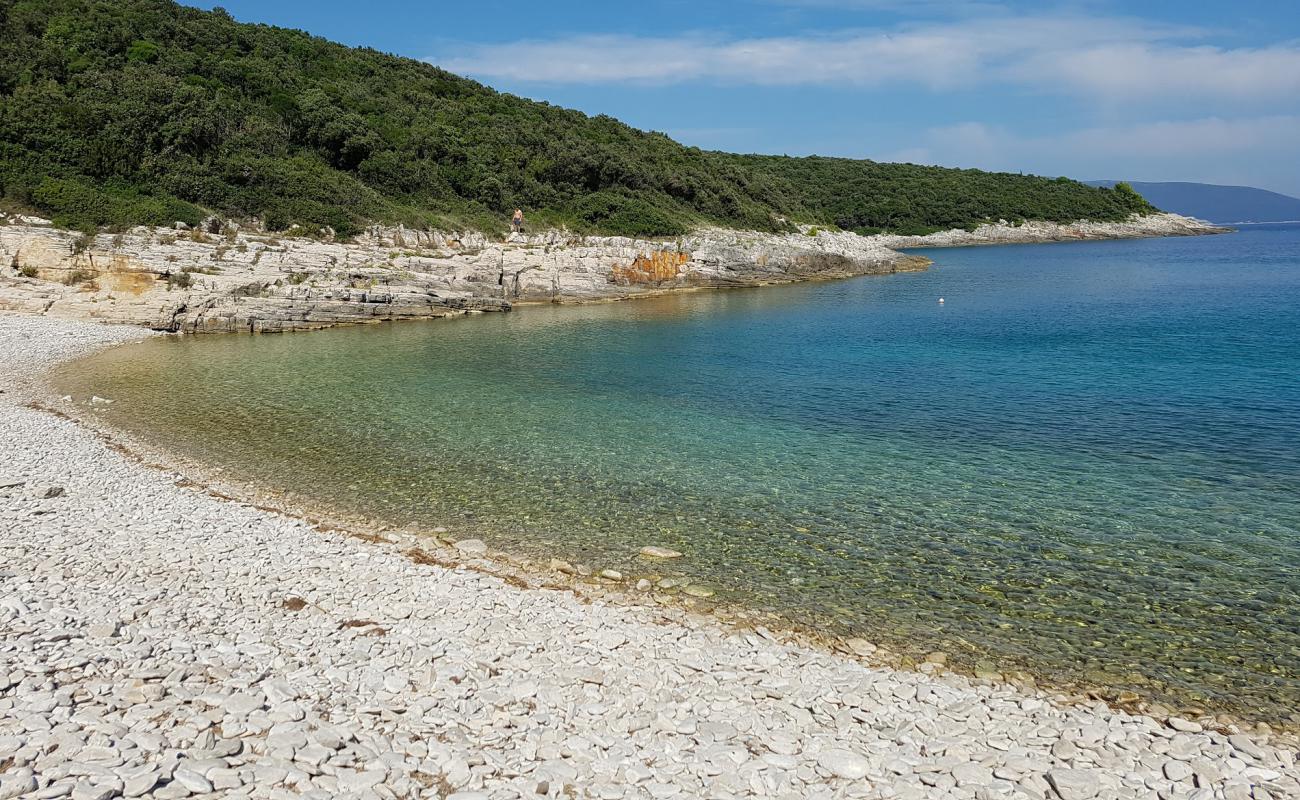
[
  {"x": 228, "y": 279},
  {"x": 222, "y": 278},
  {"x": 1033, "y": 232}
]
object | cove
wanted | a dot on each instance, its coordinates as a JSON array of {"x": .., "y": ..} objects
[{"x": 1084, "y": 464}]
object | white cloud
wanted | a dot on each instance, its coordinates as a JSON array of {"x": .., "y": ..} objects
[
  {"x": 1141, "y": 70},
  {"x": 1235, "y": 111},
  {"x": 868, "y": 60},
  {"x": 1111, "y": 58}
]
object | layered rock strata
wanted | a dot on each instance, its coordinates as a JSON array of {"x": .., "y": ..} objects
[{"x": 200, "y": 282}]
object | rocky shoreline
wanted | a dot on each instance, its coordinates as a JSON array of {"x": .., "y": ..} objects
[
  {"x": 159, "y": 641},
  {"x": 221, "y": 278},
  {"x": 1037, "y": 232}
]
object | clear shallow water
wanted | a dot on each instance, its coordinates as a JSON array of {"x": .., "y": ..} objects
[{"x": 1086, "y": 463}]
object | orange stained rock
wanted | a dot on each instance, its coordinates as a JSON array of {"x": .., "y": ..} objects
[
  {"x": 657, "y": 267},
  {"x": 132, "y": 282}
]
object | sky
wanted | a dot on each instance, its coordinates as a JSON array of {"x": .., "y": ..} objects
[{"x": 1151, "y": 90}]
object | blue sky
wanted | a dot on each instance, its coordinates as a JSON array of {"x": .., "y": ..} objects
[{"x": 1153, "y": 90}]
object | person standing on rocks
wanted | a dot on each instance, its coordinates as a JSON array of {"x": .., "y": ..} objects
[{"x": 517, "y": 221}]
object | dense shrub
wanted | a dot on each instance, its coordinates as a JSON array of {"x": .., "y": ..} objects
[
  {"x": 81, "y": 206},
  {"x": 625, "y": 214},
  {"x": 117, "y": 112},
  {"x": 871, "y": 197}
]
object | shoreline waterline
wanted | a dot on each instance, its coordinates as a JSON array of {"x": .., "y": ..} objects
[
  {"x": 436, "y": 544},
  {"x": 1023, "y": 516}
]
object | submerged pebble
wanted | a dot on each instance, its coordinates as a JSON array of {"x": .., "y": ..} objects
[{"x": 472, "y": 546}]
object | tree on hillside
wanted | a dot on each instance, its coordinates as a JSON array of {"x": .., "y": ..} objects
[{"x": 121, "y": 112}]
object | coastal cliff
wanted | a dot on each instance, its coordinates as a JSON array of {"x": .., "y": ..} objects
[{"x": 221, "y": 278}]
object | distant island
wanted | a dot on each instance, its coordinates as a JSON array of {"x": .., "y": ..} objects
[
  {"x": 149, "y": 112},
  {"x": 1214, "y": 203}
]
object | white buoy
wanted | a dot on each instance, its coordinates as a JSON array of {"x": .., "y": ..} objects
[{"x": 940, "y": 301}]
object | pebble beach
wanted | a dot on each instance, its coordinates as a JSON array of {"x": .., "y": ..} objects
[{"x": 158, "y": 641}]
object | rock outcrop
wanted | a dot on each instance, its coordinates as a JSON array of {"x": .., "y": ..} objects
[
  {"x": 223, "y": 279},
  {"x": 1034, "y": 232}
]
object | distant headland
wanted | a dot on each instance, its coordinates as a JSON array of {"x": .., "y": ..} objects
[{"x": 1226, "y": 205}]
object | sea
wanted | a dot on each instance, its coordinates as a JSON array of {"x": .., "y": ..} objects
[{"x": 1077, "y": 460}]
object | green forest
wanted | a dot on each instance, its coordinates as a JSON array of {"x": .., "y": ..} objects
[{"x": 115, "y": 113}]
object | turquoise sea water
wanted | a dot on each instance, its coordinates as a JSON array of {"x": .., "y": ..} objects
[{"x": 1085, "y": 463}]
